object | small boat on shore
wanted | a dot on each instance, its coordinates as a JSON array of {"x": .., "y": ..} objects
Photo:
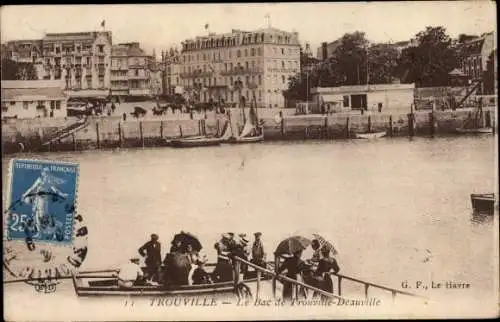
[
  {"x": 370, "y": 135},
  {"x": 481, "y": 130},
  {"x": 195, "y": 141},
  {"x": 483, "y": 203}
]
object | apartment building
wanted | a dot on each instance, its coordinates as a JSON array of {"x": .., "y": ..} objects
[
  {"x": 171, "y": 65},
  {"x": 130, "y": 70},
  {"x": 80, "y": 59},
  {"x": 246, "y": 64},
  {"x": 475, "y": 54}
]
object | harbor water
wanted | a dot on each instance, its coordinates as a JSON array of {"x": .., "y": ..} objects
[{"x": 396, "y": 209}]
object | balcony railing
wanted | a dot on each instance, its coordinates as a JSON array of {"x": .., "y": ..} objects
[
  {"x": 140, "y": 91},
  {"x": 119, "y": 67},
  {"x": 242, "y": 71},
  {"x": 137, "y": 77},
  {"x": 282, "y": 70},
  {"x": 196, "y": 74}
]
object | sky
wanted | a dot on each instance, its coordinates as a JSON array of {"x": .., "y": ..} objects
[{"x": 160, "y": 26}]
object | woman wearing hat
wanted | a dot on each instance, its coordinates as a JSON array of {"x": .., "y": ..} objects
[
  {"x": 200, "y": 276},
  {"x": 223, "y": 271},
  {"x": 326, "y": 265},
  {"x": 130, "y": 273},
  {"x": 294, "y": 266}
]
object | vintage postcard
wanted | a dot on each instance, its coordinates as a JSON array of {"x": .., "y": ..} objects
[{"x": 262, "y": 161}]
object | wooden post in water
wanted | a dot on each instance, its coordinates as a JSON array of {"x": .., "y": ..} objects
[
  {"x": 218, "y": 128},
  {"x": 97, "y": 133},
  {"x": 199, "y": 127},
  {"x": 347, "y": 128},
  {"x": 306, "y": 130},
  {"x": 180, "y": 130},
  {"x": 432, "y": 122},
  {"x": 369, "y": 123},
  {"x": 258, "y": 285},
  {"x": 390, "y": 126},
  {"x": 120, "y": 139},
  {"x": 204, "y": 123},
  {"x": 282, "y": 124},
  {"x": 161, "y": 129},
  {"x": 276, "y": 266},
  {"x": 325, "y": 132},
  {"x": 141, "y": 133},
  {"x": 74, "y": 141},
  {"x": 411, "y": 129},
  {"x": 339, "y": 285}
]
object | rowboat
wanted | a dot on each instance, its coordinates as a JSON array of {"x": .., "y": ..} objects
[
  {"x": 370, "y": 135},
  {"x": 481, "y": 130},
  {"x": 107, "y": 285},
  {"x": 251, "y": 132},
  {"x": 197, "y": 141},
  {"x": 483, "y": 203},
  {"x": 247, "y": 139}
]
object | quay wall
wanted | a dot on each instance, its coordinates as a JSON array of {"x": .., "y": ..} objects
[{"x": 113, "y": 131}]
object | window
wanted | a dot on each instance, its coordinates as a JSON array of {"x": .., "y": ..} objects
[
  {"x": 25, "y": 105},
  {"x": 52, "y": 105},
  {"x": 246, "y": 65},
  {"x": 258, "y": 51},
  {"x": 246, "y": 52},
  {"x": 88, "y": 61},
  {"x": 238, "y": 53},
  {"x": 282, "y": 64},
  {"x": 247, "y": 80},
  {"x": 260, "y": 80},
  {"x": 58, "y": 50},
  {"x": 252, "y": 52},
  {"x": 136, "y": 72},
  {"x": 282, "y": 51},
  {"x": 225, "y": 66},
  {"x": 58, "y": 105},
  {"x": 346, "y": 100},
  {"x": 283, "y": 79}
]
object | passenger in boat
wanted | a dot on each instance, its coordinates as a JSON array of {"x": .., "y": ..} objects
[
  {"x": 240, "y": 249},
  {"x": 152, "y": 251},
  {"x": 130, "y": 274},
  {"x": 326, "y": 265},
  {"x": 223, "y": 271},
  {"x": 294, "y": 266},
  {"x": 200, "y": 276},
  {"x": 258, "y": 253},
  {"x": 316, "y": 248}
]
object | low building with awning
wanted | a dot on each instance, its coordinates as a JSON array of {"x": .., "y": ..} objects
[{"x": 33, "y": 98}]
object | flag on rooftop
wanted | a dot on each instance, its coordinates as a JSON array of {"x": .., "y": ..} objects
[
  {"x": 103, "y": 23},
  {"x": 206, "y": 26}
]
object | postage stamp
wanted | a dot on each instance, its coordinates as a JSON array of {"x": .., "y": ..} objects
[{"x": 42, "y": 201}]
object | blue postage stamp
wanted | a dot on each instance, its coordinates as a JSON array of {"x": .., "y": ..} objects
[{"x": 41, "y": 206}]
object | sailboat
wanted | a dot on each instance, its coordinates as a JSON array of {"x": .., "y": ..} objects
[{"x": 252, "y": 131}]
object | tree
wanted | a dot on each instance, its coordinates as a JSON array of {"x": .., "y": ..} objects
[
  {"x": 429, "y": 63},
  {"x": 382, "y": 64},
  {"x": 12, "y": 70},
  {"x": 351, "y": 58}
]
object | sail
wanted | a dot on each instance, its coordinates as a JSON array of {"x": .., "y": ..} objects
[
  {"x": 228, "y": 133},
  {"x": 250, "y": 124}
]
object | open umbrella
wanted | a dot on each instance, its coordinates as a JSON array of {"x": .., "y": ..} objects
[
  {"x": 324, "y": 243},
  {"x": 188, "y": 239},
  {"x": 292, "y": 245}
]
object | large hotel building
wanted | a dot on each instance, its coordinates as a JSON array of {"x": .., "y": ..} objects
[
  {"x": 87, "y": 62},
  {"x": 220, "y": 67}
]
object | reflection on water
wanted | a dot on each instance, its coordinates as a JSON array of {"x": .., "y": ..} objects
[{"x": 396, "y": 210}]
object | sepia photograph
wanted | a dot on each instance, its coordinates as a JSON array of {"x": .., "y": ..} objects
[{"x": 250, "y": 161}]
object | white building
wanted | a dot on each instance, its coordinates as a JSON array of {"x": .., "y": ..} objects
[
  {"x": 32, "y": 99},
  {"x": 248, "y": 63},
  {"x": 367, "y": 97}
]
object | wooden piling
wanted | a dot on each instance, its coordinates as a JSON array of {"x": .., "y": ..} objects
[
  {"x": 218, "y": 127},
  {"x": 347, "y": 128},
  {"x": 391, "y": 131},
  {"x": 325, "y": 131},
  {"x": 74, "y": 141},
  {"x": 411, "y": 128},
  {"x": 306, "y": 130},
  {"x": 141, "y": 133},
  {"x": 161, "y": 129},
  {"x": 369, "y": 123},
  {"x": 282, "y": 126},
  {"x": 259, "y": 273},
  {"x": 97, "y": 134},
  {"x": 204, "y": 126},
  {"x": 199, "y": 127},
  {"x": 120, "y": 139},
  {"x": 180, "y": 130},
  {"x": 432, "y": 122}
]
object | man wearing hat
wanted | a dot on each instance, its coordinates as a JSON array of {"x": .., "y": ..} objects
[
  {"x": 152, "y": 251},
  {"x": 130, "y": 273},
  {"x": 258, "y": 254}
]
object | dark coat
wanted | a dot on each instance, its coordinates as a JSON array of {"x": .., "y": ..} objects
[{"x": 152, "y": 251}]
